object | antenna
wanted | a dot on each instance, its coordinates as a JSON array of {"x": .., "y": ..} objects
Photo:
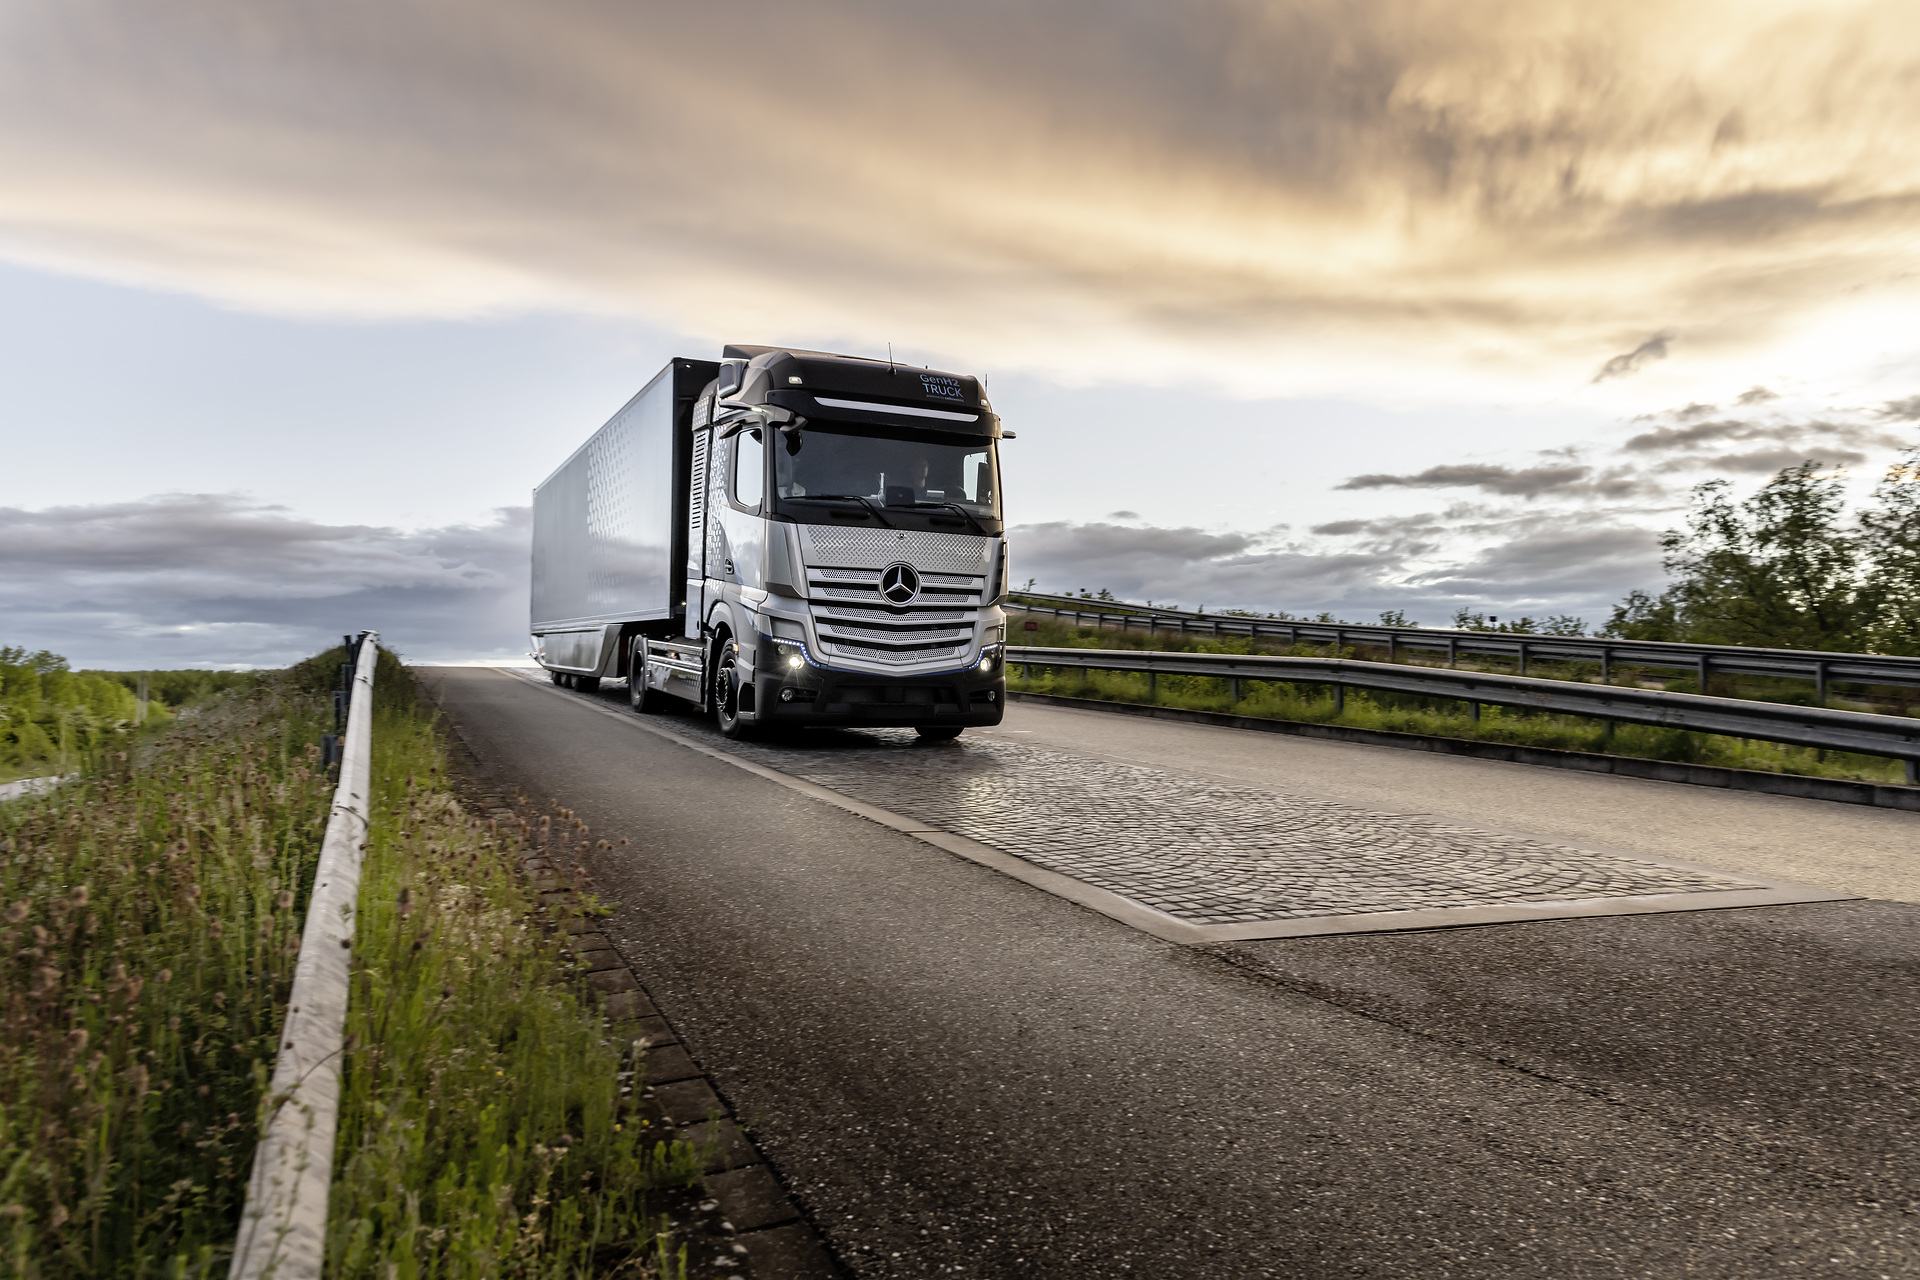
[{"x": 889, "y": 357}]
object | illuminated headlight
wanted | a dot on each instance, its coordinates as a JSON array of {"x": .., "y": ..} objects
[
  {"x": 795, "y": 661},
  {"x": 790, "y": 657},
  {"x": 986, "y": 660}
]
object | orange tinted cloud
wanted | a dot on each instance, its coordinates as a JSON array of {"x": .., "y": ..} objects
[{"x": 1328, "y": 191}]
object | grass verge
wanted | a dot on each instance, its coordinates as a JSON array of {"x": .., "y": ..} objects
[
  {"x": 147, "y": 950},
  {"x": 487, "y": 1123},
  {"x": 148, "y": 933},
  {"x": 1399, "y": 713}
]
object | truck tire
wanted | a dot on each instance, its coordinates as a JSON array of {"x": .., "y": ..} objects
[
  {"x": 726, "y": 692},
  {"x": 557, "y": 678},
  {"x": 642, "y": 699},
  {"x": 938, "y": 732}
]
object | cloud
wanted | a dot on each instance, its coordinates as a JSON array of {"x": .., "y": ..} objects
[
  {"x": 1907, "y": 410},
  {"x": 1305, "y": 194},
  {"x": 1755, "y": 395},
  {"x": 1769, "y": 461},
  {"x": 1654, "y": 348},
  {"x": 1533, "y": 562},
  {"x": 216, "y": 579},
  {"x": 1527, "y": 482},
  {"x": 1791, "y": 442}
]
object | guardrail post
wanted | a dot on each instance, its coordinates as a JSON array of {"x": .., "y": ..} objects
[
  {"x": 1233, "y": 693},
  {"x": 1820, "y": 690},
  {"x": 1153, "y": 686},
  {"x": 1706, "y": 671},
  {"x": 1913, "y": 773},
  {"x": 1473, "y": 711},
  {"x": 1606, "y": 666},
  {"x": 1523, "y": 659},
  {"x": 1151, "y": 621},
  {"x": 1393, "y": 646},
  {"x": 1339, "y": 699},
  {"x": 1453, "y": 651}
]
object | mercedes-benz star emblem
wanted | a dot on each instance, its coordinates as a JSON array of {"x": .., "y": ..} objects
[{"x": 899, "y": 584}]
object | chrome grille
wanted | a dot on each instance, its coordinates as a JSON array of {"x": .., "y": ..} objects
[{"x": 853, "y": 620}]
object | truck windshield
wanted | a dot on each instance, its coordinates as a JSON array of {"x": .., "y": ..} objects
[{"x": 904, "y": 472}]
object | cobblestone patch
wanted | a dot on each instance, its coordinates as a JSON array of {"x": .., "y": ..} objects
[{"x": 1203, "y": 851}]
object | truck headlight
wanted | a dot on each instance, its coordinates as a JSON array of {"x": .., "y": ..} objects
[{"x": 987, "y": 660}]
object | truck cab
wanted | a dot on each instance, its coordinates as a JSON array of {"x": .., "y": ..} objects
[{"x": 845, "y": 550}]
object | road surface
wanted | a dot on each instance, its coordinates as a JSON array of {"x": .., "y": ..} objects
[{"x": 960, "y": 1074}]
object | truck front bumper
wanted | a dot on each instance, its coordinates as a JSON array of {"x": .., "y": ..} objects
[{"x": 813, "y": 695}]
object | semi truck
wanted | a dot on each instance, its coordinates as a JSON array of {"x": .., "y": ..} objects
[{"x": 783, "y": 538}]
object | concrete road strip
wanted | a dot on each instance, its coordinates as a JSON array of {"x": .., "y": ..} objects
[{"x": 1194, "y": 861}]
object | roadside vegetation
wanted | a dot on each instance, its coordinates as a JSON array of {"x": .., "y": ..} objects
[
  {"x": 147, "y": 948},
  {"x": 150, "y": 918},
  {"x": 486, "y": 1125}
]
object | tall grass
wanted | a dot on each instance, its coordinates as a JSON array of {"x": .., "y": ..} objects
[
  {"x": 147, "y": 948},
  {"x": 1441, "y": 717},
  {"x": 485, "y": 1127}
]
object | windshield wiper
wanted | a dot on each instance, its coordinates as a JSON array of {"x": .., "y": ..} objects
[
  {"x": 964, "y": 514},
  {"x": 849, "y": 497}
]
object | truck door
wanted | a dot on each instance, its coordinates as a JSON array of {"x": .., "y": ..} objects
[{"x": 697, "y": 483}]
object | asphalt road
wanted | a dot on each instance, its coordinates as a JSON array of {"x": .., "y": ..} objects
[{"x": 959, "y": 1074}]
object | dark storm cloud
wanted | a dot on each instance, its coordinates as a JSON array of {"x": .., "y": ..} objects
[
  {"x": 1088, "y": 184},
  {"x": 1654, "y": 348},
  {"x": 213, "y": 579}
]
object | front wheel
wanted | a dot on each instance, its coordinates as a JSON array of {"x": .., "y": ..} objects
[
  {"x": 726, "y": 693},
  {"x": 938, "y": 732},
  {"x": 641, "y": 698}
]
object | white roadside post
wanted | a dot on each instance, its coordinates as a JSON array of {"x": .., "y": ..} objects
[{"x": 283, "y": 1228}]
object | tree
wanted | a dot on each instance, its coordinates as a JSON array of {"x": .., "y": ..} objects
[
  {"x": 1890, "y": 543},
  {"x": 1778, "y": 569}
]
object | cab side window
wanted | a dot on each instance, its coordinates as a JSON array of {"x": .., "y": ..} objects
[{"x": 749, "y": 469}]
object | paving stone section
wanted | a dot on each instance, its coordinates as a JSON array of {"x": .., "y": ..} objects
[
  {"x": 1202, "y": 851},
  {"x": 747, "y": 1226}
]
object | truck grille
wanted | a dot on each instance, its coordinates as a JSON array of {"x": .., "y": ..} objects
[{"x": 853, "y": 620}]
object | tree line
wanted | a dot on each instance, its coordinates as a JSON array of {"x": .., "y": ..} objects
[{"x": 51, "y": 716}]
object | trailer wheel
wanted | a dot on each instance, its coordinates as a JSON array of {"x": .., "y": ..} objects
[
  {"x": 726, "y": 692},
  {"x": 557, "y": 678},
  {"x": 642, "y": 699},
  {"x": 938, "y": 732}
]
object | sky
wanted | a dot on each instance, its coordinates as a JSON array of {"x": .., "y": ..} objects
[{"x": 1317, "y": 306}]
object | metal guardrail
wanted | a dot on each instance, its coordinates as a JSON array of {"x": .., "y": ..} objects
[
  {"x": 283, "y": 1229},
  {"x": 1894, "y": 736},
  {"x": 1703, "y": 660}
]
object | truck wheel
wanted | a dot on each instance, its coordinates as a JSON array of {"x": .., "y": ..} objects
[
  {"x": 726, "y": 693},
  {"x": 642, "y": 699},
  {"x": 557, "y": 678},
  {"x": 938, "y": 732}
]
